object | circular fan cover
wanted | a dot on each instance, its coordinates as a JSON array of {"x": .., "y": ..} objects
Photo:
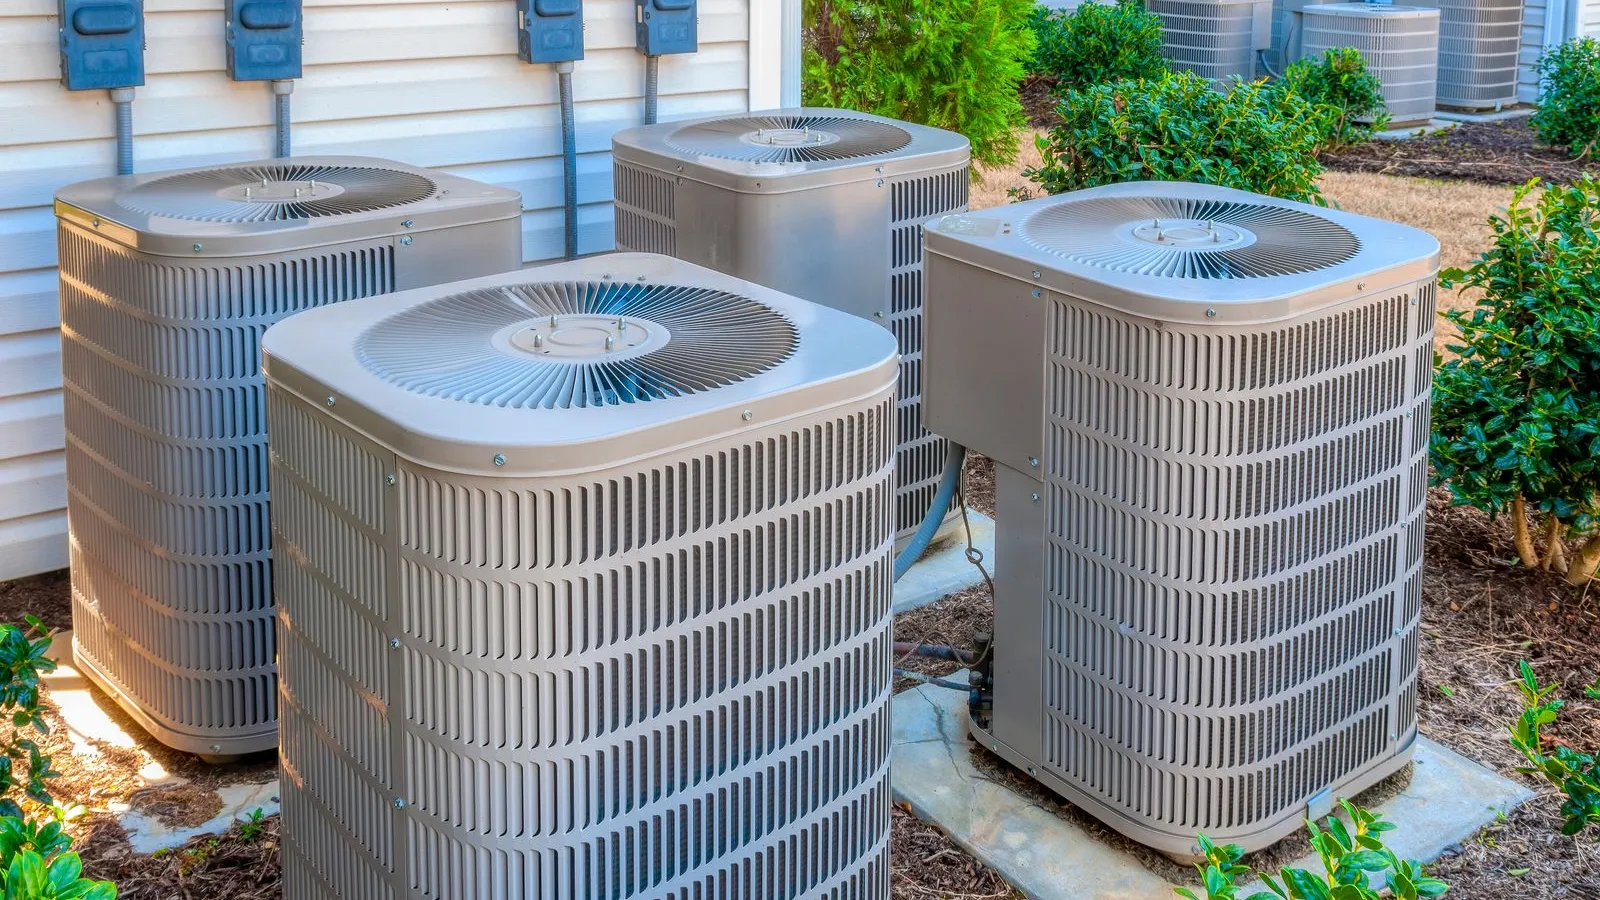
[
  {"x": 276, "y": 192},
  {"x": 789, "y": 139},
  {"x": 576, "y": 344},
  {"x": 1184, "y": 238}
]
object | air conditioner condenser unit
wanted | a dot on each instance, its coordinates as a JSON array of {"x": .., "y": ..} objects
[
  {"x": 584, "y": 589},
  {"x": 167, "y": 282},
  {"x": 824, "y": 204},
  {"x": 1208, "y": 411}
]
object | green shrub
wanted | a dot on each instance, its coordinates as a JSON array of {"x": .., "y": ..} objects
[
  {"x": 1576, "y": 774},
  {"x": 36, "y": 863},
  {"x": 1099, "y": 43},
  {"x": 1176, "y": 128},
  {"x": 1517, "y": 411},
  {"x": 22, "y": 764},
  {"x": 1350, "y": 97},
  {"x": 951, "y": 64},
  {"x": 1569, "y": 103},
  {"x": 1348, "y": 863}
]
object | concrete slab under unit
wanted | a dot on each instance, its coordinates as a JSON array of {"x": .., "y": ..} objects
[
  {"x": 1503, "y": 115},
  {"x": 1048, "y": 857},
  {"x": 1432, "y": 126},
  {"x": 945, "y": 569}
]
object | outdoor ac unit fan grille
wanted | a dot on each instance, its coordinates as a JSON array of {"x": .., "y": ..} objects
[
  {"x": 789, "y": 139},
  {"x": 276, "y": 193},
  {"x": 448, "y": 348},
  {"x": 1231, "y": 626},
  {"x": 1174, "y": 237}
]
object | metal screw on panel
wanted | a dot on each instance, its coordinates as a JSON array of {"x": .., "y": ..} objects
[
  {"x": 399, "y": 803},
  {"x": 1032, "y": 771},
  {"x": 297, "y": 193},
  {"x": 499, "y": 459},
  {"x": 878, "y": 314},
  {"x": 1216, "y": 238},
  {"x": 610, "y": 342},
  {"x": 747, "y": 415},
  {"x": 1211, "y": 314},
  {"x": 1038, "y": 293},
  {"x": 879, "y": 170},
  {"x": 96, "y": 223},
  {"x": 389, "y": 480},
  {"x": 1036, "y": 497},
  {"x": 405, "y": 241},
  {"x": 216, "y": 748},
  {"x": 331, "y": 401},
  {"x": 406, "y": 224},
  {"x": 680, "y": 169},
  {"x": 622, "y": 324},
  {"x": 880, "y": 182},
  {"x": 606, "y": 277},
  {"x": 394, "y": 643},
  {"x": 552, "y": 321},
  {"x": 1161, "y": 235},
  {"x": 247, "y": 192},
  {"x": 538, "y": 340},
  {"x": 1399, "y": 630},
  {"x": 1033, "y": 461},
  {"x": 1036, "y": 275},
  {"x": 313, "y": 185},
  {"x": 1413, "y": 301},
  {"x": 1361, "y": 285},
  {"x": 197, "y": 248}
]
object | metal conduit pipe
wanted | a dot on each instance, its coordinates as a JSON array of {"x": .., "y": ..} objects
[
  {"x": 569, "y": 157},
  {"x": 281, "y": 89},
  {"x": 652, "y": 76},
  {"x": 954, "y": 460},
  {"x": 122, "y": 102}
]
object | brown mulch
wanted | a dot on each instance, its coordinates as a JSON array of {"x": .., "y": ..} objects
[
  {"x": 234, "y": 866},
  {"x": 47, "y": 596},
  {"x": 1488, "y": 152},
  {"x": 925, "y": 865},
  {"x": 1039, "y": 100}
]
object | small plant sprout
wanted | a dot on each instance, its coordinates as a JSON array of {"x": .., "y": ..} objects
[
  {"x": 1576, "y": 774},
  {"x": 1350, "y": 860},
  {"x": 251, "y": 827}
]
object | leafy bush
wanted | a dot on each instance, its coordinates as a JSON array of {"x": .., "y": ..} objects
[
  {"x": 1517, "y": 412},
  {"x": 22, "y": 764},
  {"x": 1576, "y": 774},
  {"x": 1176, "y": 128},
  {"x": 951, "y": 64},
  {"x": 1099, "y": 43},
  {"x": 36, "y": 863},
  {"x": 1569, "y": 104},
  {"x": 1348, "y": 860},
  {"x": 1349, "y": 97}
]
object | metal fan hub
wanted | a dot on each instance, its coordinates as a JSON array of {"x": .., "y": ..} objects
[
  {"x": 1188, "y": 234},
  {"x": 268, "y": 191},
  {"x": 789, "y": 137},
  {"x": 586, "y": 337}
]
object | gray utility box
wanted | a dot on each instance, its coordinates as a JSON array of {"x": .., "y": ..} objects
[
  {"x": 1209, "y": 416},
  {"x": 825, "y": 204},
  {"x": 167, "y": 282}
]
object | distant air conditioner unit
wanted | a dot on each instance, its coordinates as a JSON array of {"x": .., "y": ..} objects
[
  {"x": 584, "y": 589},
  {"x": 1215, "y": 39},
  {"x": 825, "y": 204},
  {"x": 1209, "y": 416},
  {"x": 1399, "y": 43},
  {"x": 1479, "y": 43},
  {"x": 167, "y": 282}
]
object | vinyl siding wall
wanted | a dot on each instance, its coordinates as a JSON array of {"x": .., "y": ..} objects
[
  {"x": 1537, "y": 19},
  {"x": 426, "y": 82}
]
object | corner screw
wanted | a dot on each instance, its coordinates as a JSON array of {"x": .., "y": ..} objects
[
  {"x": 1211, "y": 314},
  {"x": 499, "y": 459},
  {"x": 747, "y": 415},
  {"x": 1036, "y": 275},
  {"x": 197, "y": 248},
  {"x": 331, "y": 401},
  {"x": 1033, "y": 461},
  {"x": 389, "y": 480},
  {"x": 405, "y": 241},
  {"x": 1038, "y": 293}
]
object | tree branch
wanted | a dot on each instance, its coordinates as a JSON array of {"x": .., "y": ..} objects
[
  {"x": 1519, "y": 528},
  {"x": 1586, "y": 562}
]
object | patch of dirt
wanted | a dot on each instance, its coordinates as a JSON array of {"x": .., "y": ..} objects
[
  {"x": 1039, "y": 100},
  {"x": 177, "y": 806},
  {"x": 234, "y": 866},
  {"x": 48, "y": 596},
  {"x": 926, "y": 865},
  {"x": 1488, "y": 152}
]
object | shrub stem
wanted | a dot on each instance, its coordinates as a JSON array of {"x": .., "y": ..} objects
[{"x": 1519, "y": 528}]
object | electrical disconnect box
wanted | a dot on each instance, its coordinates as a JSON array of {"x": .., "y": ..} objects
[
  {"x": 102, "y": 44},
  {"x": 666, "y": 26},
  {"x": 264, "y": 38},
  {"x": 550, "y": 31}
]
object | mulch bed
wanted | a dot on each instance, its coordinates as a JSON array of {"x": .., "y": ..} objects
[
  {"x": 1039, "y": 100},
  {"x": 1487, "y": 152}
]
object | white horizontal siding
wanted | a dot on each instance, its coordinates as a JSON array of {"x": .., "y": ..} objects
[
  {"x": 1590, "y": 10},
  {"x": 1533, "y": 27},
  {"x": 426, "y": 82}
]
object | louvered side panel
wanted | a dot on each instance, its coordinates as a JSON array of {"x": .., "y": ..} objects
[
  {"x": 668, "y": 682},
  {"x": 921, "y": 455},
  {"x": 167, "y": 475},
  {"x": 646, "y": 210},
  {"x": 1233, "y": 563},
  {"x": 1212, "y": 39}
]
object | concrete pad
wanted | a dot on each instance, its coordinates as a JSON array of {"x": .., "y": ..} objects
[
  {"x": 1049, "y": 858},
  {"x": 1503, "y": 115},
  {"x": 1432, "y": 126},
  {"x": 147, "y": 834},
  {"x": 944, "y": 569}
]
